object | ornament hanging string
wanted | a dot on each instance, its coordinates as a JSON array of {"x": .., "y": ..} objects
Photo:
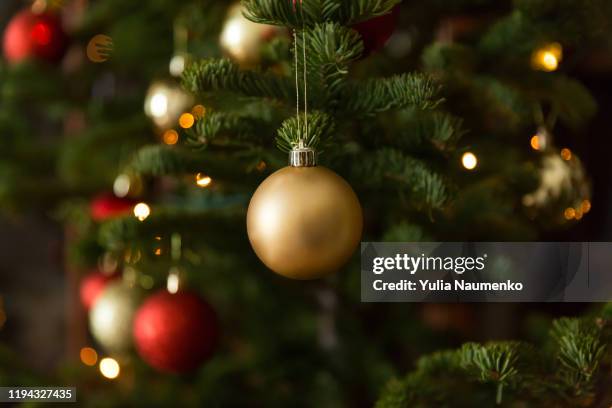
[{"x": 303, "y": 136}]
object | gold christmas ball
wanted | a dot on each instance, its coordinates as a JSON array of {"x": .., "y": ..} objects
[
  {"x": 304, "y": 222},
  {"x": 242, "y": 39},
  {"x": 165, "y": 102},
  {"x": 110, "y": 318}
]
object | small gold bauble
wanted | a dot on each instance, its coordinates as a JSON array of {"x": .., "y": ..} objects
[
  {"x": 165, "y": 102},
  {"x": 242, "y": 39},
  {"x": 110, "y": 318},
  {"x": 304, "y": 222}
]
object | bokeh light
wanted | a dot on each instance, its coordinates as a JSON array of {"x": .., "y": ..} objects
[
  {"x": 88, "y": 356},
  {"x": 202, "y": 180},
  {"x": 566, "y": 154},
  {"x": 469, "y": 161},
  {"x": 547, "y": 58},
  {"x": 198, "y": 111},
  {"x": 109, "y": 367},
  {"x": 186, "y": 120},
  {"x": 170, "y": 137},
  {"x": 142, "y": 211}
]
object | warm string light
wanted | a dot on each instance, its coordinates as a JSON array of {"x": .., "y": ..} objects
[
  {"x": 202, "y": 180},
  {"x": 173, "y": 282},
  {"x": 535, "y": 142},
  {"x": 109, "y": 368},
  {"x": 577, "y": 213},
  {"x": 566, "y": 154},
  {"x": 469, "y": 160},
  {"x": 142, "y": 211},
  {"x": 170, "y": 137},
  {"x": 198, "y": 111},
  {"x": 186, "y": 121},
  {"x": 89, "y": 356},
  {"x": 547, "y": 58}
]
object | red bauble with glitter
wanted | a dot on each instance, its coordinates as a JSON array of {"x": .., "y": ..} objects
[
  {"x": 107, "y": 206},
  {"x": 92, "y": 286},
  {"x": 175, "y": 333},
  {"x": 376, "y": 32},
  {"x": 34, "y": 36}
]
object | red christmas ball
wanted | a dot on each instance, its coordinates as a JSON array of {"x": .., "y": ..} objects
[
  {"x": 37, "y": 36},
  {"x": 92, "y": 286},
  {"x": 107, "y": 206},
  {"x": 175, "y": 332},
  {"x": 376, "y": 32}
]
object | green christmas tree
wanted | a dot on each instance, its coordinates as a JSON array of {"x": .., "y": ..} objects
[{"x": 433, "y": 133}]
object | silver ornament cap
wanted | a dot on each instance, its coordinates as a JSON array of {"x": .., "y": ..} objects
[{"x": 303, "y": 157}]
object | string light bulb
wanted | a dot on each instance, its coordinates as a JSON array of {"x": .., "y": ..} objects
[
  {"x": 469, "y": 160},
  {"x": 547, "y": 58},
  {"x": 186, "y": 120},
  {"x": 88, "y": 356},
  {"x": 566, "y": 154},
  {"x": 170, "y": 137},
  {"x": 202, "y": 180},
  {"x": 109, "y": 368},
  {"x": 569, "y": 213},
  {"x": 142, "y": 211}
]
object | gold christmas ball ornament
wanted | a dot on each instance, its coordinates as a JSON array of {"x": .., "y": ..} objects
[
  {"x": 165, "y": 102},
  {"x": 110, "y": 318},
  {"x": 242, "y": 39},
  {"x": 304, "y": 221}
]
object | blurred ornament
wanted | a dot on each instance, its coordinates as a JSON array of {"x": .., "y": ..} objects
[
  {"x": 127, "y": 185},
  {"x": 376, "y": 32},
  {"x": 92, "y": 286},
  {"x": 107, "y": 206},
  {"x": 111, "y": 317},
  {"x": 242, "y": 39},
  {"x": 304, "y": 221},
  {"x": 165, "y": 102},
  {"x": 547, "y": 58},
  {"x": 175, "y": 332},
  {"x": 100, "y": 48},
  {"x": 34, "y": 36},
  {"x": 564, "y": 191}
]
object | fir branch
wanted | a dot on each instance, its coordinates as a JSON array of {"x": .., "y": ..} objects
[
  {"x": 331, "y": 49},
  {"x": 412, "y": 129},
  {"x": 216, "y": 125},
  {"x": 284, "y": 12},
  {"x": 126, "y": 232},
  {"x": 320, "y": 129},
  {"x": 159, "y": 160},
  {"x": 394, "y": 168},
  {"x": 400, "y": 91},
  {"x": 494, "y": 362},
  {"x": 580, "y": 353},
  {"x": 212, "y": 75}
]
